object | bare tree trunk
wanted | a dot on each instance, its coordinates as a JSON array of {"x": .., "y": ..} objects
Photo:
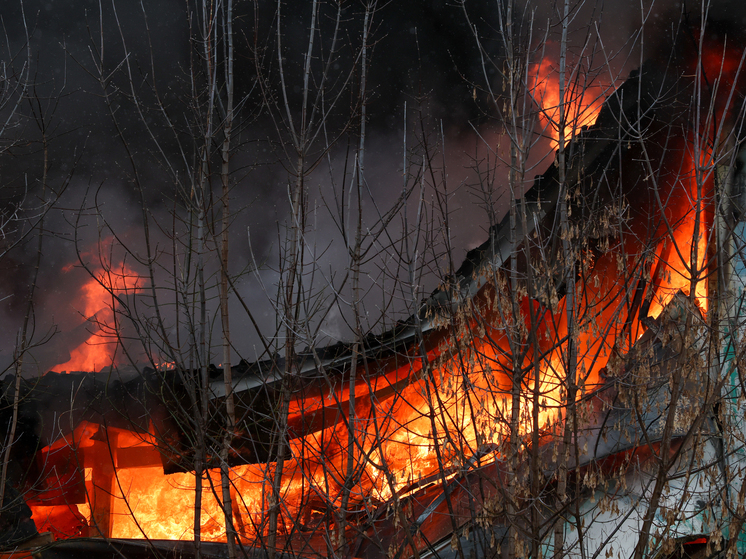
[
  {"x": 275, "y": 495},
  {"x": 568, "y": 263},
  {"x": 291, "y": 312},
  {"x": 355, "y": 258},
  {"x": 294, "y": 260},
  {"x": 515, "y": 338},
  {"x": 203, "y": 384},
  {"x": 230, "y": 419}
]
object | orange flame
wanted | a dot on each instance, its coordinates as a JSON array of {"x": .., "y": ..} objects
[
  {"x": 682, "y": 255},
  {"x": 581, "y": 104},
  {"x": 97, "y": 298},
  {"x": 401, "y": 439},
  {"x": 467, "y": 408},
  {"x": 446, "y": 412}
]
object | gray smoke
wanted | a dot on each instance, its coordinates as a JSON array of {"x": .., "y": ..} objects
[{"x": 424, "y": 54}]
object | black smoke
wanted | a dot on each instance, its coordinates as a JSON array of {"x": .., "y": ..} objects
[{"x": 111, "y": 104}]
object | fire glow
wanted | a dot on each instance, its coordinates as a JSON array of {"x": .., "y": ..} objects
[
  {"x": 97, "y": 303},
  {"x": 581, "y": 109},
  {"x": 432, "y": 423},
  {"x": 142, "y": 501}
]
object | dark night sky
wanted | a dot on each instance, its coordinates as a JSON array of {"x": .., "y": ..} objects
[{"x": 424, "y": 54}]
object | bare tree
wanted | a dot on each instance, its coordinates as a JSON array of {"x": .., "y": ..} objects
[{"x": 573, "y": 388}]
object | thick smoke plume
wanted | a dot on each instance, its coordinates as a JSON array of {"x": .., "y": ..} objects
[{"x": 86, "y": 61}]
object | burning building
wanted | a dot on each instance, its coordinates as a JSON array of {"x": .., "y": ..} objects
[{"x": 573, "y": 388}]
